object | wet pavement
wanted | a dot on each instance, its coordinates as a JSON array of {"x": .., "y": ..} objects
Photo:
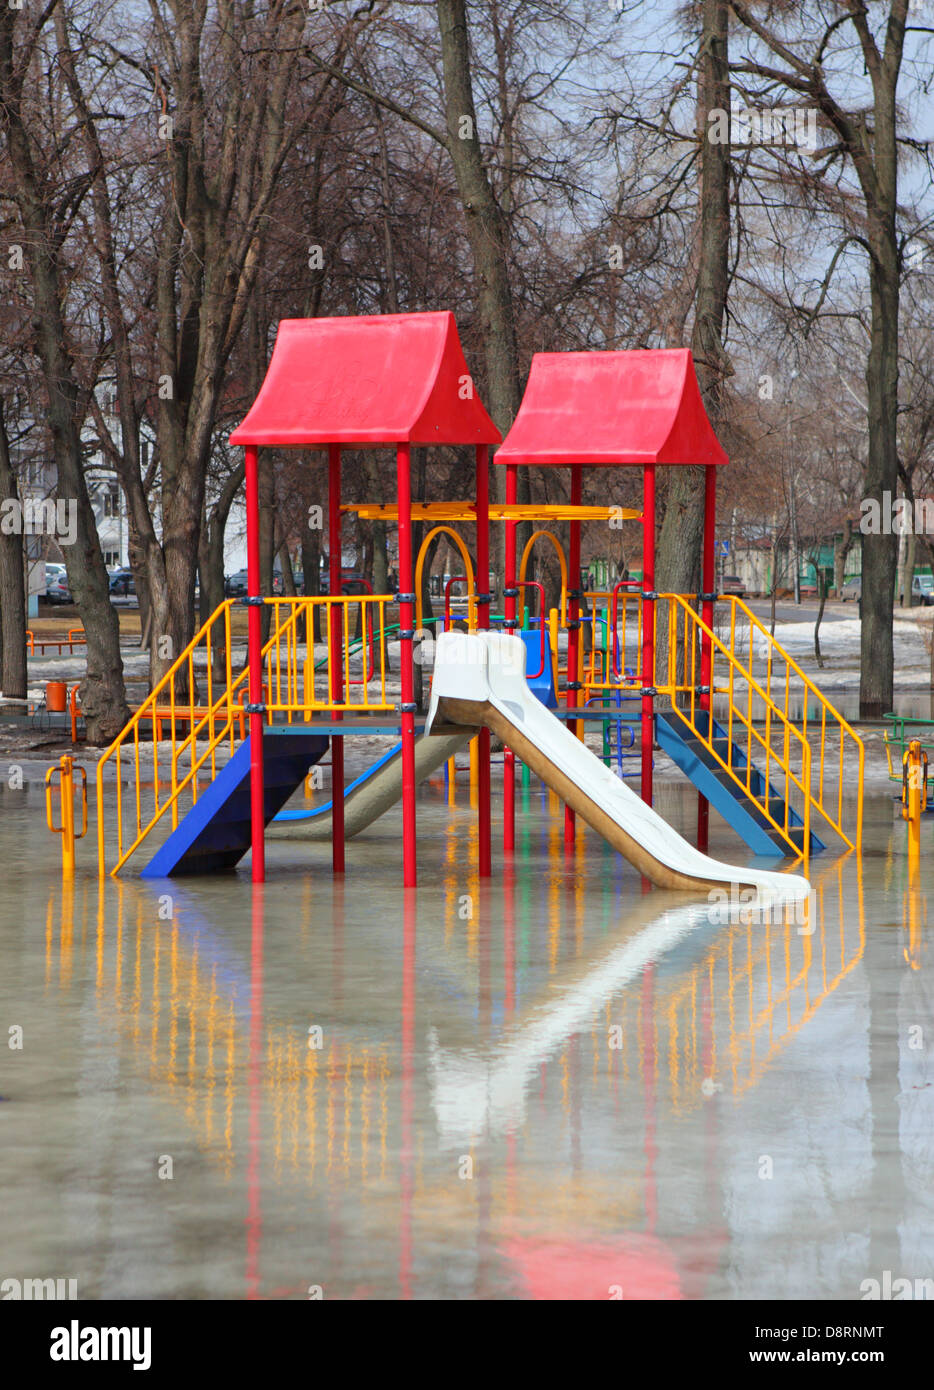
[{"x": 558, "y": 1083}]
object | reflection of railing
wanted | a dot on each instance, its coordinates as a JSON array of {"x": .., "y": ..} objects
[
  {"x": 190, "y": 1033},
  {"x": 755, "y": 989},
  {"x": 202, "y": 725}
]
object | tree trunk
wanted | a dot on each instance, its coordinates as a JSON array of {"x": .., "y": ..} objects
[
  {"x": 288, "y": 576},
  {"x": 680, "y": 540},
  {"x": 12, "y": 587},
  {"x": 841, "y": 550},
  {"x": 822, "y": 593},
  {"x": 489, "y": 236},
  {"x": 907, "y": 571},
  {"x": 880, "y": 552},
  {"x": 103, "y": 696}
]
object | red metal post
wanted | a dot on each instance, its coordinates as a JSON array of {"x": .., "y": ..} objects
[
  {"x": 255, "y": 648},
  {"x": 573, "y": 616},
  {"x": 648, "y": 627},
  {"x": 509, "y": 758},
  {"x": 708, "y": 582},
  {"x": 483, "y": 621},
  {"x": 335, "y": 654},
  {"x": 406, "y": 636}
]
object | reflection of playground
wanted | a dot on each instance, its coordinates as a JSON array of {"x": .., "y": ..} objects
[
  {"x": 606, "y": 1044},
  {"x": 701, "y": 1007},
  {"x": 182, "y": 995}
]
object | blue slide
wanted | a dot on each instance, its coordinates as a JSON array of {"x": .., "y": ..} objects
[
  {"x": 374, "y": 792},
  {"x": 364, "y": 777}
]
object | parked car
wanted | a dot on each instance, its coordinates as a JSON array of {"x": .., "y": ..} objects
[
  {"x": 235, "y": 585},
  {"x": 732, "y": 584},
  {"x": 57, "y": 590},
  {"x": 352, "y": 582},
  {"x": 122, "y": 584},
  {"x": 922, "y": 590},
  {"x": 852, "y": 588}
]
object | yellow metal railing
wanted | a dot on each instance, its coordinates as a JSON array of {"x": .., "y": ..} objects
[
  {"x": 299, "y": 684},
  {"x": 773, "y": 709},
  {"x": 608, "y": 658},
  {"x": 65, "y": 772},
  {"x": 832, "y": 737},
  {"x": 197, "y": 709},
  {"x": 750, "y": 742}
]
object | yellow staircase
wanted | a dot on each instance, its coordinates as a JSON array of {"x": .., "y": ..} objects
[
  {"x": 194, "y": 718},
  {"x": 769, "y": 718}
]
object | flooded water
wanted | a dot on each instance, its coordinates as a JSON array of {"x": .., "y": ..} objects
[{"x": 552, "y": 1084}]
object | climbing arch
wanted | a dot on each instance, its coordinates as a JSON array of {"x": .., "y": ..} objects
[{"x": 468, "y": 571}]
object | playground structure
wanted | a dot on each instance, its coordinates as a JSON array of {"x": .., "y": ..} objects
[
  {"x": 719, "y": 698},
  {"x": 75, "y": 637}
]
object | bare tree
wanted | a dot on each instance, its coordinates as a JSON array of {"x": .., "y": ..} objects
[
  {"x": 868, "y": 139},
  {"x": 12, "y": 582},
  {"x": 45, "y": 212},
  {"x": 681, "y": 535}
]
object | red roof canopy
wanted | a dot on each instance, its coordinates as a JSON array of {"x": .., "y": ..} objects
[
  {"x": 359, "y": 381},
  {"x": 610, "y": 408}
]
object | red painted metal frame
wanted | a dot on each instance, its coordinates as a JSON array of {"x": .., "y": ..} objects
[
  {"x": 390, "y": 379},
  {"x": 573, "y": 617},
  {"x": 543, "y": 645},
  {"x": 708, "y": 582},
  {"x": 483, "y": 621},
  {"x": 452, "y": 579},
  {"x": 648, "y": 627},
  {"x": 335, "y": 649},
  {"x": 509, "y": 757},
  {"x": 365, "y": 380},
  {"x": 610, "y": 409},
  {"x": 255, "y": 638},
  {"x": 406, "y": 625}
]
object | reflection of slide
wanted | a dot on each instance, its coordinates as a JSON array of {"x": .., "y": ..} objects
[
  {"x": 484, "y": 1090},
  {"x": 479, "y": 678},
  {"x": 366, "y": 799}
]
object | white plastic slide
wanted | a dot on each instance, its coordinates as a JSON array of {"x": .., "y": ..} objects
[
  {"x": 479, "y": 679},
  {"x": 371, "y": 795}
]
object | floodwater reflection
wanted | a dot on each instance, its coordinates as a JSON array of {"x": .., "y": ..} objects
[{"x": 551, "y": 1084}]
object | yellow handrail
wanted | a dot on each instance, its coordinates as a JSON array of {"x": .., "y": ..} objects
[
  {"x": 687, "y": 684},
  {"x": 290, "y": 691},
  {"x": 763, "y": 680},
  {"x": 829, "y": 716}
]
